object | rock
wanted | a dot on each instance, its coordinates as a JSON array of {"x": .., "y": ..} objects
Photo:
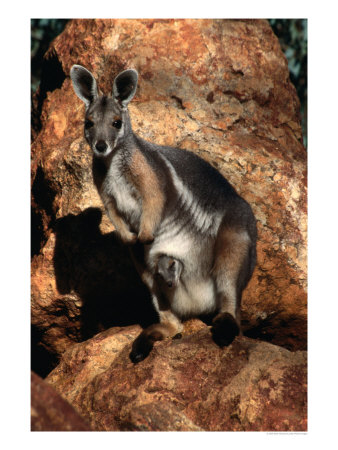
[
  {"x": 220, "y": 89},
  {"x": 185, "y": 384},
  {"x": 50, "y": 412}
]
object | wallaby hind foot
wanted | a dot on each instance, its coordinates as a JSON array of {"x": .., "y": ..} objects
[{"x": 224, "y": 329}]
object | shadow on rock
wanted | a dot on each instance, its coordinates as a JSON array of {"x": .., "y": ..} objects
[
  {"x": 289, "y": 332},
  {"x": 97, "y": 268}
]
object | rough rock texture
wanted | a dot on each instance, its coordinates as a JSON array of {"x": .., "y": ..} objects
[
  {"x": 50, "y": 412},
  {"x": 217, "y": 87},
  {"x": 186, "y": 384}
]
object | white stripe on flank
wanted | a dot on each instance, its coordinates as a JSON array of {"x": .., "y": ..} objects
[{"x": 201, "y": 219}]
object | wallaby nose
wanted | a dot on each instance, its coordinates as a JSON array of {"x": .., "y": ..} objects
[{"x": 101, "y": 146}]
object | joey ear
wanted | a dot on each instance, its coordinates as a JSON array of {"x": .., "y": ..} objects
[
  {"x": 84, "y": 84},
  {"x": 124, "y": 86}
]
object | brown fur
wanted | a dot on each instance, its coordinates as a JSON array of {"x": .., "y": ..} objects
[
  {"x": 171, "y": 323},
  {"x": 149, "y": 188},
  {"x": 160, "y": 331},
  {"x": 125, "y": 234},
  {"x": 170, "y": 326},
  {"x": 230, "y": 251}
]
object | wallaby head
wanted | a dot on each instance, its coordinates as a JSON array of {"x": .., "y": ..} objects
[
  {"x": 107, "y": 122},
  {"x": 169, "y": 269}
]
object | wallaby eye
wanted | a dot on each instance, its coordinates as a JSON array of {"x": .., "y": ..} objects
[
  {"x": 117, "y": 124},
  {"x": 88, "y": 124}
]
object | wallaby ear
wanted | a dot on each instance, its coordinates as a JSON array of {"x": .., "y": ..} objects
[
  {"x": 84, "y": 84},
  {"x": 124, "y": 86}
]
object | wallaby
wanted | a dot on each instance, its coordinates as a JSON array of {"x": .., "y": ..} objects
[
  {"x": 168, "y": 201},
  {"x": 169, "y": 270}
]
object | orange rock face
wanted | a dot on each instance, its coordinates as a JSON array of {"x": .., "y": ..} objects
[
  {"x": 186, "y": 384},
  {"x": 217, "y": 87}
]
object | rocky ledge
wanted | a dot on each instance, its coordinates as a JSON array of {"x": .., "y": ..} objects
[{"x": 186, "y": 384}]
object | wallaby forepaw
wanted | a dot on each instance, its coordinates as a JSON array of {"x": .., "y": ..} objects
[
  {"x": 129, "y": 238},
  {"x": 224, "y": 329},
  {"x": 145, "y": 238},
  {"x": 141, "y": 348}
]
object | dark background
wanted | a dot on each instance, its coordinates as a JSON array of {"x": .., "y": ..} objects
[{"x": 292, "y": 35}]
